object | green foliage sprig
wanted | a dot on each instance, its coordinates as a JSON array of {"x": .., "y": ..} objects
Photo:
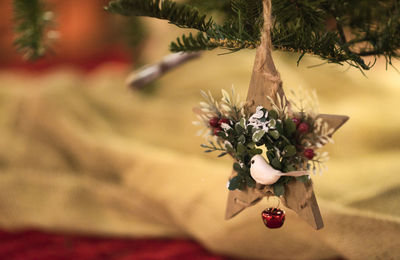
[
  {"x": 242, "y": 135},
  {"x": 30, "y": 25},
  {"x": 341, "y": 32},
  {"x": 181, "y": 15}
]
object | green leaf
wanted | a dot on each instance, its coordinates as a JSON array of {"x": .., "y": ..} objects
[
  {"x": 237, "y": 168},
  {"x": 272, "y": 123},
  {"x": 241, "y": 149},
  {"x": 235, "y": 183},
  {"x": 303, "y": 178},
  {"x": 270, "y": 155},
  {"x": 258, "y": 135},
  {"x": 279, "y": 127},
  {"x": 272, "y": 114},
  {"x": 250, "y": 182},
  {"x": 279, "y": 189},
  {"x": 239, "y": 129},
  {"x": 222, "y": 134},
  {"x": 249, "y": 129},
  {"x": 276, "y": 163},
  {"x": 242, "y": 123},
  {"x": 242, "y": 139},
  {"x": 222, "y": 154},
  {"x": 290, "y": 127},
  {"x": 256, "y": 151},
  {"x": 274, "y": 134},
  {"x": 289, "y": 151},
  {"x": 289, "y": 168}
]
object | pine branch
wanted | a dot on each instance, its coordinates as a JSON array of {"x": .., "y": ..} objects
[
  {"x": 211, "y": 41},
  {"x": 181, "y": 15},
  {"x": 30, "y": 25},
  {"x": 192, "y": 43},
  {"x": 362, "y": 28}
]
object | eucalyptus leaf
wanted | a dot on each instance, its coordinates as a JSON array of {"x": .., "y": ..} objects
[
  {"x": 258, "y": 135},
  {"x": 276, "y": 163},
  {"x": 250, "y": 181},
  {"x": 290, "y": 168},
  {"x": 237, "y": 168},
  {"x": 272, "y": 123},
  {"x": 270, "y": 155},
  {"x": 290, "y": 127},
  {"x": 279, "y": 189},
  {"x": 237, "y": 182},
  {"x": 272, "y": 114},
  {"x": 241, "y": 148},
  {"x": 228, "y": 146},
  {"x": 289, "y": 151},
  {"x": 253, "y": 152},
  {"x": 242, "y": 123},
  {"x": 242, "y": 139},
  {"x": 274, "y": 134},
  {"x": 222, "y": 134},
  {"x": 239, "y": 129},
  {"x": 303, "y": 178},
  {"x": 234, "y": 183},
  {"x": 279, "y": 127}
]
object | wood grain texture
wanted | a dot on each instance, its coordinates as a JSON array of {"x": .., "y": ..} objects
[{"x": 300, "y": 197}]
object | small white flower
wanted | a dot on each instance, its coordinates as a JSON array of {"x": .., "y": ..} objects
[
  {"x": 255, "y": 120},
  {"x": 259, "y": 113},
  {"x": 265, "y": 128}
]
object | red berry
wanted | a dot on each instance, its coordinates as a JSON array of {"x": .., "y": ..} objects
[
  {"x": 214, "y": 122},
  {"x": 273, "y": 217},
  {"x": 309, "y": 153},
  {"x": 217, "y": 130},
  {"x": 223, "y": 120},
  {"x": 296, "y": 121},
  {"x": 303, "y": 128}
]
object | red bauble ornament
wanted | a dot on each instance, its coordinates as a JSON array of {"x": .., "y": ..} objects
[
  {"x": 309, "y": 153},
  {"x": 303, "y": 128},
  {"x": 296, "y": 121},
  {"x": 214, "y": 122},
  {"x": 273, "y": 217},
  {"x": 223, "y": 120},
  {"x": 217, "y": 130}
]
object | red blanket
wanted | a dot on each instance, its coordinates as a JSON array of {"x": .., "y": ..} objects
[{"x": 38, "y": 245}]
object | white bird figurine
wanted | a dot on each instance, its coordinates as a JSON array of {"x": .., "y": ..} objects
[{"x": 263, "y": 173}]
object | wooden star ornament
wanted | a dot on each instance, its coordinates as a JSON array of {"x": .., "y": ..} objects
[{"x": 266, "y": 81}]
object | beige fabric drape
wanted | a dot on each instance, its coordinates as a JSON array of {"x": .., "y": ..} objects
[{"x": 83, "y": 154}]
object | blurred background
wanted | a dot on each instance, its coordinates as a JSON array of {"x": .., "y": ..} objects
[{"x": 90, "y": 169}]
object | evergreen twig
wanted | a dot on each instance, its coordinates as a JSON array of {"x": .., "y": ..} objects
[
  {"x": 181, "y": 15},
  {"x": 30, "y": 25},
  {"x": 299, "y": 26}
]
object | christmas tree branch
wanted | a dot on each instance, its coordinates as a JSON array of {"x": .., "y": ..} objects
[
  {"x": 181, "y": 15},
  {"x": 30, "y": 22}
]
